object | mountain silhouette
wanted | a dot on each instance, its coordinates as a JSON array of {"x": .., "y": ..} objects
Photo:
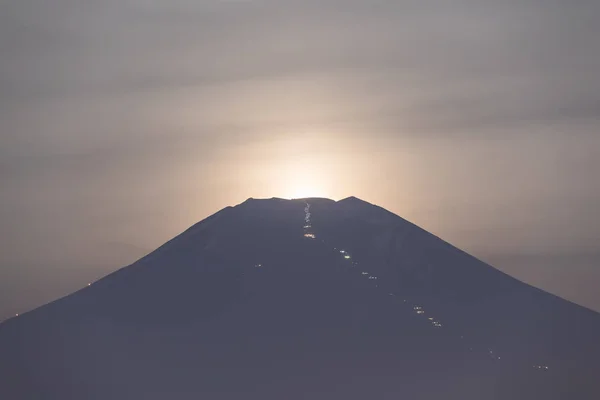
[{"x": 304, "y": 299}]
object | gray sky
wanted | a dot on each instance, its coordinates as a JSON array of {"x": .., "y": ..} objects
[{"x": 122, "y": 122}]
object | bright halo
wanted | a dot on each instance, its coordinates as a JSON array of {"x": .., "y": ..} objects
[
  {"x": 301, "y": 192},
  {"x": 304, "y": 178}
]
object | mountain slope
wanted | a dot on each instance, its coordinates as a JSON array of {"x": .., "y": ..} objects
[{"x": 303, "y": 299}]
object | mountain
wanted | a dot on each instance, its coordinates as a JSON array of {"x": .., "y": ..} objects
[{"x": 303, "y": 299}]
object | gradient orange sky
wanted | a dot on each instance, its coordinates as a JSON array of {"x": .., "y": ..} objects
[{"x": 123, "y": 123}]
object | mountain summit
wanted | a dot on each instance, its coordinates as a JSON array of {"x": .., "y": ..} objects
[{"x": 303, "y": 299}]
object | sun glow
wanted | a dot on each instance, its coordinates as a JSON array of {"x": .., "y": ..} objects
[
  {"x": 304, "y": 180},
  {"x": 303, "y": 192},
  {"x": 305, "y": 165}
]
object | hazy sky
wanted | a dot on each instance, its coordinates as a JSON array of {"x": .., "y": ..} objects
[{"x": 122, "y": 122}]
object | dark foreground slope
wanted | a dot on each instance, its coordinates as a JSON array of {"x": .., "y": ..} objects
[{"x": 245, "y": 305}]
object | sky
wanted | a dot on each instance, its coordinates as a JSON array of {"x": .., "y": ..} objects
[{"x": 123, "y": 122}]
